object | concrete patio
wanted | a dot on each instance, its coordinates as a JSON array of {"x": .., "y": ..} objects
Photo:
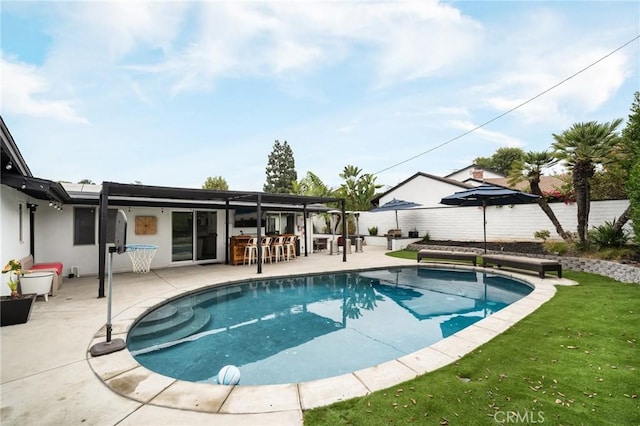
[{"x": 49, "y": 378}]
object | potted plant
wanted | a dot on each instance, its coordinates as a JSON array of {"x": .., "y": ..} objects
[
  {"x": 373, "y": 231},
  {"x": 15, "y": 309}
]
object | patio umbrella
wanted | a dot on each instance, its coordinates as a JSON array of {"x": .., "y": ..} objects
[
  {"x": 488, "y": 195},
  {"x": 395, "y": 205}
]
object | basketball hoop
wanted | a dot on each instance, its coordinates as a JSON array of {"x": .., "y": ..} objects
[{"x": 141, "y": 255}]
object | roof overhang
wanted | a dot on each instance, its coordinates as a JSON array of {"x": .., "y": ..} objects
[
  {"x": 16, "y": 174},
  {"x": 121, "y": 194}
]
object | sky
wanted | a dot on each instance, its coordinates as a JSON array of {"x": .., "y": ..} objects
[{"x": 170, "y": 93}]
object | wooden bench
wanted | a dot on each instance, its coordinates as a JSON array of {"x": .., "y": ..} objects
[
  {"x": 448, "y": 255},
  {"x": 519, "y": 262}
]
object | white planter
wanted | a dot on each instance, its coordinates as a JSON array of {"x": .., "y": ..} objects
[{"x": 37, "y": 282}]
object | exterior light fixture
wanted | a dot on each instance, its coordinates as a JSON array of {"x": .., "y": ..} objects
[
  {"x": 24, "y": 185},
  {"x": 9, "y": 166}
]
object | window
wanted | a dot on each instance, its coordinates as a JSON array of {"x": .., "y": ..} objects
[{"x": 84, "y": 226}]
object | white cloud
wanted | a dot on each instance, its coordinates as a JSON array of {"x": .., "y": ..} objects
[
  {"x": 497, "y": 138},
  {"x": 402, "y": 40},
  {"x": 27, "y": 91}
]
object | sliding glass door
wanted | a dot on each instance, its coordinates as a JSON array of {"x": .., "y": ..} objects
[
  {"x": 181, "y": 236},
  {"x": 194, "y": 239}
]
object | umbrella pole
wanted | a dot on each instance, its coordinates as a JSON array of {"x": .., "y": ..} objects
[
  {"x": 397, "y": 226},
  {"x": 484, "y": 224}
]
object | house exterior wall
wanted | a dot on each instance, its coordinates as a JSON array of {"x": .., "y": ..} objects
[
  {"x": 12, "y": 246},
  {"x": 422, "y": 190},
  {"x": 505, "y": 223},
  {"x": 54, "y": 239}
]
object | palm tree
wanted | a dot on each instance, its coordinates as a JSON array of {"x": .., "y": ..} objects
[
  {"x": 530, "y": 167},
  {"x": 358, "y": 189},
  {"x": 583, "y": 147}
]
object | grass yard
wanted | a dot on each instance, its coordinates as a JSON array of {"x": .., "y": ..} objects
[{"x": 574, "y": 361}]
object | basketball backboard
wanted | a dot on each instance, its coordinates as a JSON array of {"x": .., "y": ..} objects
[{"x": 120, "y": 240}]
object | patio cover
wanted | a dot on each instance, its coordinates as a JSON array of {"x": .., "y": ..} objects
[{"x": 121, "y": 194}]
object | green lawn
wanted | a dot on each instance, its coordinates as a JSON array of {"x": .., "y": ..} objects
[{"x": 574, "y": 361}]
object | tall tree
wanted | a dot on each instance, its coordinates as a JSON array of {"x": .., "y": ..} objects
[
  {"x": 281, "y": 169},
  {"x": 530, "y": 168},
  {"x": 86, "y": 181},
  {"x": 583, "y": 147},
  {"x": 501, "y": 160},
  {"x": 217, "y": 183},
  {"x": 631, "y": 137}
]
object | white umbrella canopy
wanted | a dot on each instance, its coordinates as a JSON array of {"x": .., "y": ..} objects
[{"x": 396, "y": 205}]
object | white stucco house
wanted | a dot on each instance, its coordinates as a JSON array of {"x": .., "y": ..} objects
[{"x": 74, "y": 224}]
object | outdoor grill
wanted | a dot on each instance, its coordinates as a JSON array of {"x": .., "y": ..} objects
[{"x": 393, "y": 233}]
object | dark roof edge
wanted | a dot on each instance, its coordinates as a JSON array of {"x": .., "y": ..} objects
[{"x": 9, "y": 145}]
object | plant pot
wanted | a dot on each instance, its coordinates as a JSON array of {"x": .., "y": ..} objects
[{"x": 16, "y": 311}]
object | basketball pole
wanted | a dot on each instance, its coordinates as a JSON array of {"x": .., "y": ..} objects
[{"x": 108, "y": 346}]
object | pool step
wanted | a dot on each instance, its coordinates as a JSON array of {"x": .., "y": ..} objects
[
  {"x": 159, "y": 315},
  {"x": 185, "y": 323}
]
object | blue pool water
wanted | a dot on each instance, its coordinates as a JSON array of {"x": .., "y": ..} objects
[{"x": 298, "y": 329}]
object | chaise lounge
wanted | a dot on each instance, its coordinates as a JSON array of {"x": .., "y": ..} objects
[
  {"x": 528, "y": 263},
  {"x": 447, "y": 255}
]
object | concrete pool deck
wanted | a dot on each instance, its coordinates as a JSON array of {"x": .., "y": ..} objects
[{"x": 48, "y": 376}]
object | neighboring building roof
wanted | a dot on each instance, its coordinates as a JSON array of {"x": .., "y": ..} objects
[
  {"x": 547, "y": 183},
  {"x": 474, "y": 167},
  {"x": 375, "y": 200}
]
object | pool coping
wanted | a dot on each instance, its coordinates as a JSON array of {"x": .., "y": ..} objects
[{"x": 125, "y": 376}]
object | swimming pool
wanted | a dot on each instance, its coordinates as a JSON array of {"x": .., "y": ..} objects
[{"x": 299, "y": 329}]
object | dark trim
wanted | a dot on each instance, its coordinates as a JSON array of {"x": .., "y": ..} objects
[
  {"x": 259, "y": 234},
  {"x": 102, "y": 236},
  {"x": 32, "y": 226},
  {"x": 226, "y": 233}
]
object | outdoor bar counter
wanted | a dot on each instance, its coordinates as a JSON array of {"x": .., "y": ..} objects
[{"x": 239, "y": 242}]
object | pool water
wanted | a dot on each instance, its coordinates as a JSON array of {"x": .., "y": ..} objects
[{"x": 298, "y": 329}]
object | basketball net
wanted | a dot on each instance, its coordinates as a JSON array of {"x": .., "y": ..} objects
[{"x": 141, "y": 256}]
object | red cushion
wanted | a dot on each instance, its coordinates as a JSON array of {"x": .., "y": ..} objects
[{"x": 54, "y": 265}]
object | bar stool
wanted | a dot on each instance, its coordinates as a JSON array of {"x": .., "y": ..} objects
[
  {"x": 265, "y": 243},
  {"x": 278, "y": 248},
  {"x": 250, "y": 251},
  {"x": 290, "y": 245}
]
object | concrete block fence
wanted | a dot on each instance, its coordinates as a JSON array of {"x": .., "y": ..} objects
[
  {"x": 618, "y": 271},
  {"x": 506, "y": 223}
]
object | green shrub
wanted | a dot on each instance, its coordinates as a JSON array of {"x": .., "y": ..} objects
[
  {"x": 543, "y": 235},
  {"x": 373, "y": 231},
  {"x": 556, "y": 247},
  {"x": 426, "y": 237},
  {"x": 615, "y": 253},
  {"x": 606, "y": 236}
]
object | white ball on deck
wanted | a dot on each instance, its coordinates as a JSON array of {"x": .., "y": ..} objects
[{"x": 229, "y": 375}]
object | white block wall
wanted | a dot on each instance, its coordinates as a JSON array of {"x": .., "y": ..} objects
[{"x": 507, "y": 223}]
